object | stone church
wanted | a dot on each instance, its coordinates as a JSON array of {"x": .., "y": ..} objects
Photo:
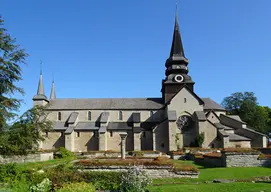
[{"x": 168, "y": 123}]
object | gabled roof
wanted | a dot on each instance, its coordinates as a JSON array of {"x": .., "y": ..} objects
[
  {"x": 191, "y": 92},
  {"x": 211, "y": 111},
  {"x": 200, "y": 115},
  {"x": 209, "y": 104}
]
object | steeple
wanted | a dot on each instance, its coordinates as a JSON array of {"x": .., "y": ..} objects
[
  {"x": 176, "y": 66},
  {"x": 53, "y": 93},
  {"x": 40, "y": 96},
  {"x": 40, "y": 86},
  {"x": 177, "y": 45}
]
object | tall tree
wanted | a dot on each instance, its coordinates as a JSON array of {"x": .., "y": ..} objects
[
  {"x": 233, "y": 102},
  {"x": 11, "y": 57},
  {"x": 245, "y": 105},
  {"x": 24, "y": 135}
]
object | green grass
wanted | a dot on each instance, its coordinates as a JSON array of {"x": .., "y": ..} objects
[
  {"x": 213, "y": 187},
  {"x": 44, "y": 164},
  {"x": 209, "y": 174}
]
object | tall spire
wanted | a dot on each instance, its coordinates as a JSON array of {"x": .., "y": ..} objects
[
  {"x": 53, "y": 93},
  {"x": 177, "y": 45},
  {"x": 40, "y": 92},
  {"x": 40, "y": 86}
]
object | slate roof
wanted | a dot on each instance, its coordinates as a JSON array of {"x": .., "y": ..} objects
[
  {"x": 221, "y": 126},
  {"x": 119, "y": 104},
  {"x": 102, "y": 104},
  {"x": 86, "y": 126},
  {"x": 236, "y": 117},
  {"x": 119, "y": 126},
  {"x": 209, "y": 104},
  {"x": 235, "y": 137},
  {"x": 200, "y": 115},
  {"x": 72, "y": 118},
  {"x": 59, "y": 126}
]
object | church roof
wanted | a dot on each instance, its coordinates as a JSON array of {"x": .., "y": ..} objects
[
  {"x": 235, "y": 137},
  {"x": 119, "y": 104},
  {"x": 107, "y": 104},
  {"x": 209, "y": 104}
]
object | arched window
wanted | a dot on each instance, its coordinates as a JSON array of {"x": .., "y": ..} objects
[
  {"x": 184, "y": 100},
  {"x": 89, "y": 116},
  {"x": 120, "y": 115},
  {"x": 59, "y": 116}
]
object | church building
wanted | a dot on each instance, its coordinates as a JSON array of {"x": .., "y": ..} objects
[{"x": 168, "y": 123}]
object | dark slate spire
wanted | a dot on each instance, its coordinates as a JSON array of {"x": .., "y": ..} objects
[
  {"x": 53, "y": 93},
  {"x": 40, "y": 92},
  {"x": 40, "y": 86},
  {"x": 177, "y": 45}
]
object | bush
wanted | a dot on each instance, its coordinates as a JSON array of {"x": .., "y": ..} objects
[
  {"x": 44, "y": 186},
  {"x": 77, "y": 187},
  {"x": 103, "y": 180},
  {"x": 134, "y": 180},
  {"x": 10, "y": 172},
  {"x": 63, "y": 153}
]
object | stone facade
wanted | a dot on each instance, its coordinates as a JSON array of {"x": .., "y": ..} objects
[
  {"x": 167, "y": 123},
  {"x": 27, "y": 158}
]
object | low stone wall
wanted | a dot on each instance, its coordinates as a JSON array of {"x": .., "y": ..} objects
[
  {"x": 212, "y": 161},
  {"x": 152, "y": 171},
  {"x": 177, "y": 157},
  {"x": 27, "y": 158},
  {"x": 235, "y": 159},
  {"x": 249, "y": 159}
]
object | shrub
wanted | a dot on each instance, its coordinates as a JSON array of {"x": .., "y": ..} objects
[
  {"x": 10, "y": 172},
  {"x": 134, "y": 180},
  {"x": 77, "y": 187},
  {"x": 63, "y": 153},
  {"x": 103, "y": 180},
  {"x": 200, "y": 139},
  {"x": 44, "y": 186}
]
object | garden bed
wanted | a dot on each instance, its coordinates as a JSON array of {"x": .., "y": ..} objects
[{"x": 155, "y": 168}]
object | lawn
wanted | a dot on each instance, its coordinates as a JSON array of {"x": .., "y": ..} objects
[{"x": 213, "y": 187}]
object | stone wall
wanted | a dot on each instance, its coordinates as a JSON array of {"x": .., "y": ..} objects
[
  {"x": 28, "y": 158},
  {"x": 152, "y": 171},
  {"x": 251, "y": 159}
]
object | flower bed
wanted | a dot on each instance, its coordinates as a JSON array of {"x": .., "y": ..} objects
[
  {"x": 214, "y": 155},
  {"x": 241, "y": 150},
  {"x": 155, "y": 164}
]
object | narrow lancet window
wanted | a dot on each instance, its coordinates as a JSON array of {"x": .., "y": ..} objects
[
  {"x": 89, "y": 116},
  {"x": 59, "y": 116},
  {"x": 120, "y": 115}
]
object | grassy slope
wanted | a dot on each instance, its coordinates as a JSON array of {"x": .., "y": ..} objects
[{"x": 231, "y": 187}]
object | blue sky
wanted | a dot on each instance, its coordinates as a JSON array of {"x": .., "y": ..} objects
[{"x": 99, "y": 49}]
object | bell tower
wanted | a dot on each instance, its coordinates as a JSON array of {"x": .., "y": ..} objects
[{"x": 176, "y": 67}]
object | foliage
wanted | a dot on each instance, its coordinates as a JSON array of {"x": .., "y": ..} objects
[
  {"x": 62, "y": 152},
  {"x": 77, "y": 187},
  {"x": 103, "y": 180},
  {"x": 10, "y": 172},
  {"x": 24, "y": 135},
  {"x": 246, "y": 107},
  {"x": 126, "y": 162},
  {"x": 134, "y": 180},
  {"x": 177, "y": 143},
  {"x": 233, "y": 102},
  {"x": 200, "y": 139},
  {"x": 11, "y": 57},
  {"x": 44, "y": 186}
]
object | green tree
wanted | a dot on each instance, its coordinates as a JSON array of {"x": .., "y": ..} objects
[
  {"x": 11, "y": 57},
  {"x": 24, "y": 135},
  {"x": 245, "y": 105},
  {"x": 233, "y": 102}
]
